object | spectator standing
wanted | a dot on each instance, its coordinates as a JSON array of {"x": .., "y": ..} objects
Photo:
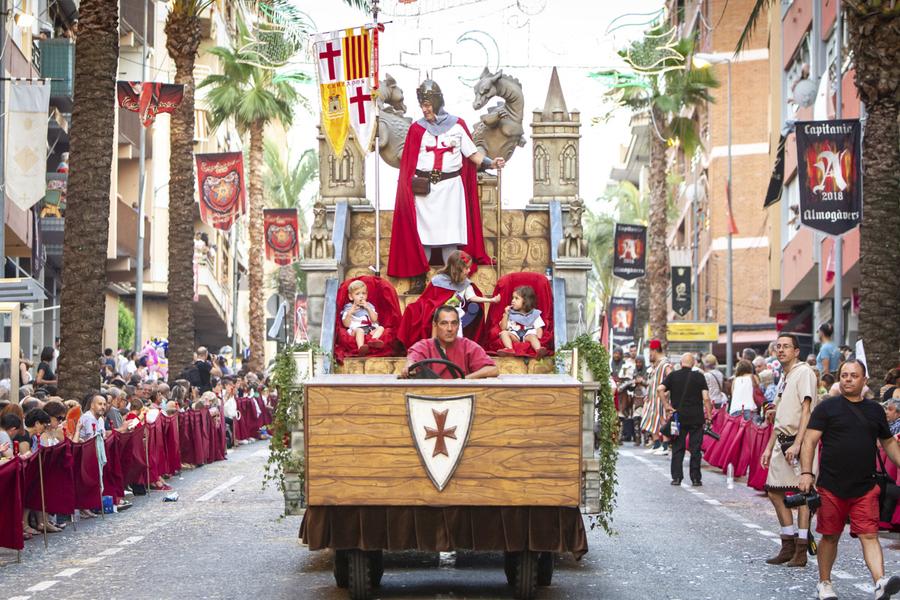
[
  {"x": 767, "y": 385},
  {"x": 793, "y": 405},
  {"x": 715, "y": 381},
  {"x": 204, "y": 369},
  {"x": 848, "y": 426},
  {"x": 829, "y": 356},
  {"x": 685, "y": 394},
  {"x": 742, "y": 403},
  {"x": 92, "y": 422},
  {"x": 892, "y": 412},
  {"x": 45, "y": 378}
]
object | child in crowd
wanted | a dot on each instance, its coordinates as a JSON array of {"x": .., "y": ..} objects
[
  {"x": 522, "y": 322},
  {"x": 361, "y": 319},
  {"x": 454, "y": 277}
]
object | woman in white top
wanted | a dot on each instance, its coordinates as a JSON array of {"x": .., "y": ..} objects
[{"x": 742, "y": 391}]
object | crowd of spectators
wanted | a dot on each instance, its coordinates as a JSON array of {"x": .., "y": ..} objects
[{"x": 131, "y": 395}]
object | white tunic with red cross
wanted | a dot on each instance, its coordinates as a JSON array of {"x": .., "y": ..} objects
[{"x": 441, "y": 215}]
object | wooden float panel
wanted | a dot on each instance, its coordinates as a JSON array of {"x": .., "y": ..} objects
[{"x": 524, "y": 447}]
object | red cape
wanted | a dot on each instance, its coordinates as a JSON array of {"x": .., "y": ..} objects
[
  {"x": 505, "y": 286},
  {"x": 407, "y": 256},
  {"x": 416, "y": 322},
  {"x": 383, "y": 297}
]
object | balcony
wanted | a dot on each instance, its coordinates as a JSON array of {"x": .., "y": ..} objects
[
  {"x": 58, "y": 63},
  {"x": 212, "y": 312},
  {"x": 126, "y": 233},
  {"x": 130, "y": 135},
  {"x": 131, "y": 25}
]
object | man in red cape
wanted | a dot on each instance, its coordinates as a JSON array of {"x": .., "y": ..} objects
[{"x": 449, "y": 216}]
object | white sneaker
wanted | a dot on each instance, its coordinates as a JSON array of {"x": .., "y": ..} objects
[
  {"x": 825, "y": 591},
  {"x": 887, "y": 587},
  {"x": 651, "y": 449},
  {"x": 660, "y": 452}
]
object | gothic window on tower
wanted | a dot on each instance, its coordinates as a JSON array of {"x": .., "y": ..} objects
[
  {"x": 541, "y": 165},
  {"x": 568, "y": 165},
  {"x": 341, "y": 170}
]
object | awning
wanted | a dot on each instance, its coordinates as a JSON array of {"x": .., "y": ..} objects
[{"x": 762, "y": 336}]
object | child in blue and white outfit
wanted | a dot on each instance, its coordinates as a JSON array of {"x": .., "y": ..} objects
[
  {"x": 361, "y": 319},
  {"x": 522, "y": 322}
]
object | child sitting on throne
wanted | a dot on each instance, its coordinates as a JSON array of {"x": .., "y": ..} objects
[
  {"x": 454, "y": 276},
  {"x": 522, "y": 322},
  {"x": 361, "y": 319}
]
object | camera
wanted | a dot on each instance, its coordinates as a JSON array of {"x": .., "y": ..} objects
[
  {"x": 708, "y": 430},
  {"x": 811, "y": 499}
]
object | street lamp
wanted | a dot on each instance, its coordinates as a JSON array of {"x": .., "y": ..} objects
[{"x": 704, "y": 60}]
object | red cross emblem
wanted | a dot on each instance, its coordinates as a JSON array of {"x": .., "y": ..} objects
[{"x": 330, "y": 54}]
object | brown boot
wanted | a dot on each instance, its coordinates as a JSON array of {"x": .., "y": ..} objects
[
  {"x": 788, "y": 549},
  {"x": 799, "y": 558}
]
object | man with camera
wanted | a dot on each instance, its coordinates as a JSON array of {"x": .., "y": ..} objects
[
  {"x": 848, "y": 426},
  {"x": 793, "y": 404}
]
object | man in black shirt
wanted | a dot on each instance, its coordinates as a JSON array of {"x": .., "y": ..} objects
[
  {"x": 204, "y": 369},
  {"x": 685, "y": 394},
  {"x": 848, "y": 426}
]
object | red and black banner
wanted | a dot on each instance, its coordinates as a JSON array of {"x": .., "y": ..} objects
[
  {"x": 622, "y": 313},
  {"x": 149, "y": 99},
  {"x": 681, "y": 290},
  {"x": 828, "y": 167},
  {"x": 630, "y": 255},
  {"x": 220, "y": 179},
  {"x": 282, "y": 235}
]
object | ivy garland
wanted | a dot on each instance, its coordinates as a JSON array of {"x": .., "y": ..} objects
[
  {"x": 287, "y": 418},
  {"x": 596, "y": 358}
]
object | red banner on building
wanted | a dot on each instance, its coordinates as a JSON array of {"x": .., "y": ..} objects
[
  {"x": 282, "y": 235},
  {"x": 220, "y": 179},
  {"x": 149, "y": 99}
]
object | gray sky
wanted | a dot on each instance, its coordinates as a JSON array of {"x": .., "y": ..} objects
[{"x": 526, "y": 38}]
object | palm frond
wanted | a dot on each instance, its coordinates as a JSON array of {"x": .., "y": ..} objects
[{"x": 755, "y": 14}]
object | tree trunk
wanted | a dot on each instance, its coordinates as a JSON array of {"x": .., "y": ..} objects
[
  {"x": 657, "y": 251},
  {"x": 257, "y": 316},
  {"x": 183, "y": 40},
  {"x": 87, "y": 216},
  {"x": 874, "y": 40}
]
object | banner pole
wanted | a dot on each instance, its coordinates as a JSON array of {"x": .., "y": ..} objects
[
  {"x": 100, "y": 468},
  {"x": 43, "y": 502},
  {"x": 375, "y": 59},
  {"x": 499, "y": 219},
  {"x": 147, "y": 452}
]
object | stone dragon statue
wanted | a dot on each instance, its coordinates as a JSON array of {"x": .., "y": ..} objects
[
  {"x": 393, "y": 124},
  {"x": 500, "y": 130}
]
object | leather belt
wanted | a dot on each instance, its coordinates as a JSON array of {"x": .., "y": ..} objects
[{"x": 436, "y": 176}]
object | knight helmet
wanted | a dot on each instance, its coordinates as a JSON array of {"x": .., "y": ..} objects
[{"x": 431, "y": 92}]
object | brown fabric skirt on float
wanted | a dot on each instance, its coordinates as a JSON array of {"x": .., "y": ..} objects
[{"x": 435, "y": 529}]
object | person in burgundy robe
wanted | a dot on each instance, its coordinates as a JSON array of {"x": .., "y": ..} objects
[
  {"x": 438, "y": 147},
  {"x": 463, "y": 352}
]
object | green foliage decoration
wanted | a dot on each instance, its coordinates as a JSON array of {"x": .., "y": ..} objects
[
  {"x": 595, "y": 357},
  {"x": 288, "y": 417}
]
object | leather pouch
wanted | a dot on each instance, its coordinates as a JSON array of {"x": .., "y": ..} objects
[{"x": 421, "y": 186}]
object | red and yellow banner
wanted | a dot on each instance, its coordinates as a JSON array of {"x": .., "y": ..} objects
[
  {"x": 282, "y": 235},
  {"x": 149, "y": 99},
  {"x": 220, "y": 180}
]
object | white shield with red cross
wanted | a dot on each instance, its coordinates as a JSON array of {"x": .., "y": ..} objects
[{"x": 440, "y": 429}]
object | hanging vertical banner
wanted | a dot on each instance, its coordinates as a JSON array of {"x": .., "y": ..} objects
[
  {"x": 149, "y": 99},
  {"x": 26, "y": 143},
  {"x": 828, "y": 167},
  {"x": 776, "y": 181},
  {"x": 220, "y": 180},
  {"x": 282, "y": 239},
  {"x": 630, "y": 256},
  {"x": 621, "y": 313},
  {"x": 681, "y": 290},
  {"x": 346, "y": 64}
]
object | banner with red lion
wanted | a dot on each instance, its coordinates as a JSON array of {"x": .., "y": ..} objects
[
  {"x": 282, "y": 237},
  {"x": 220, "y": 179}
]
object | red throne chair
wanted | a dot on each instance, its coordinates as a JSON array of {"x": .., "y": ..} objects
[
  {"x": 505, "y": 287},
  {"x": 417, "y": 318},
  {"x": 383, "y": 296}
]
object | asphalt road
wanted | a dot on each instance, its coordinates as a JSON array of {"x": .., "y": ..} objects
[{"x": 224, "y": 539}]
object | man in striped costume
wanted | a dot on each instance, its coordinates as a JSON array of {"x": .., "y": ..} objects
[{"x": 654, "y": 409}]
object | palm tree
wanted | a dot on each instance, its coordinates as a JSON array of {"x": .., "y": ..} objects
[
  {"x": 183, "y": 37},
  {"x": 254, "y": 97},
  {"x": 874, "y": 33},
  {"x": 87, "y": 216},
  {"x": 284, "y": 186},
  {"x": 662, "y": 84}
]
